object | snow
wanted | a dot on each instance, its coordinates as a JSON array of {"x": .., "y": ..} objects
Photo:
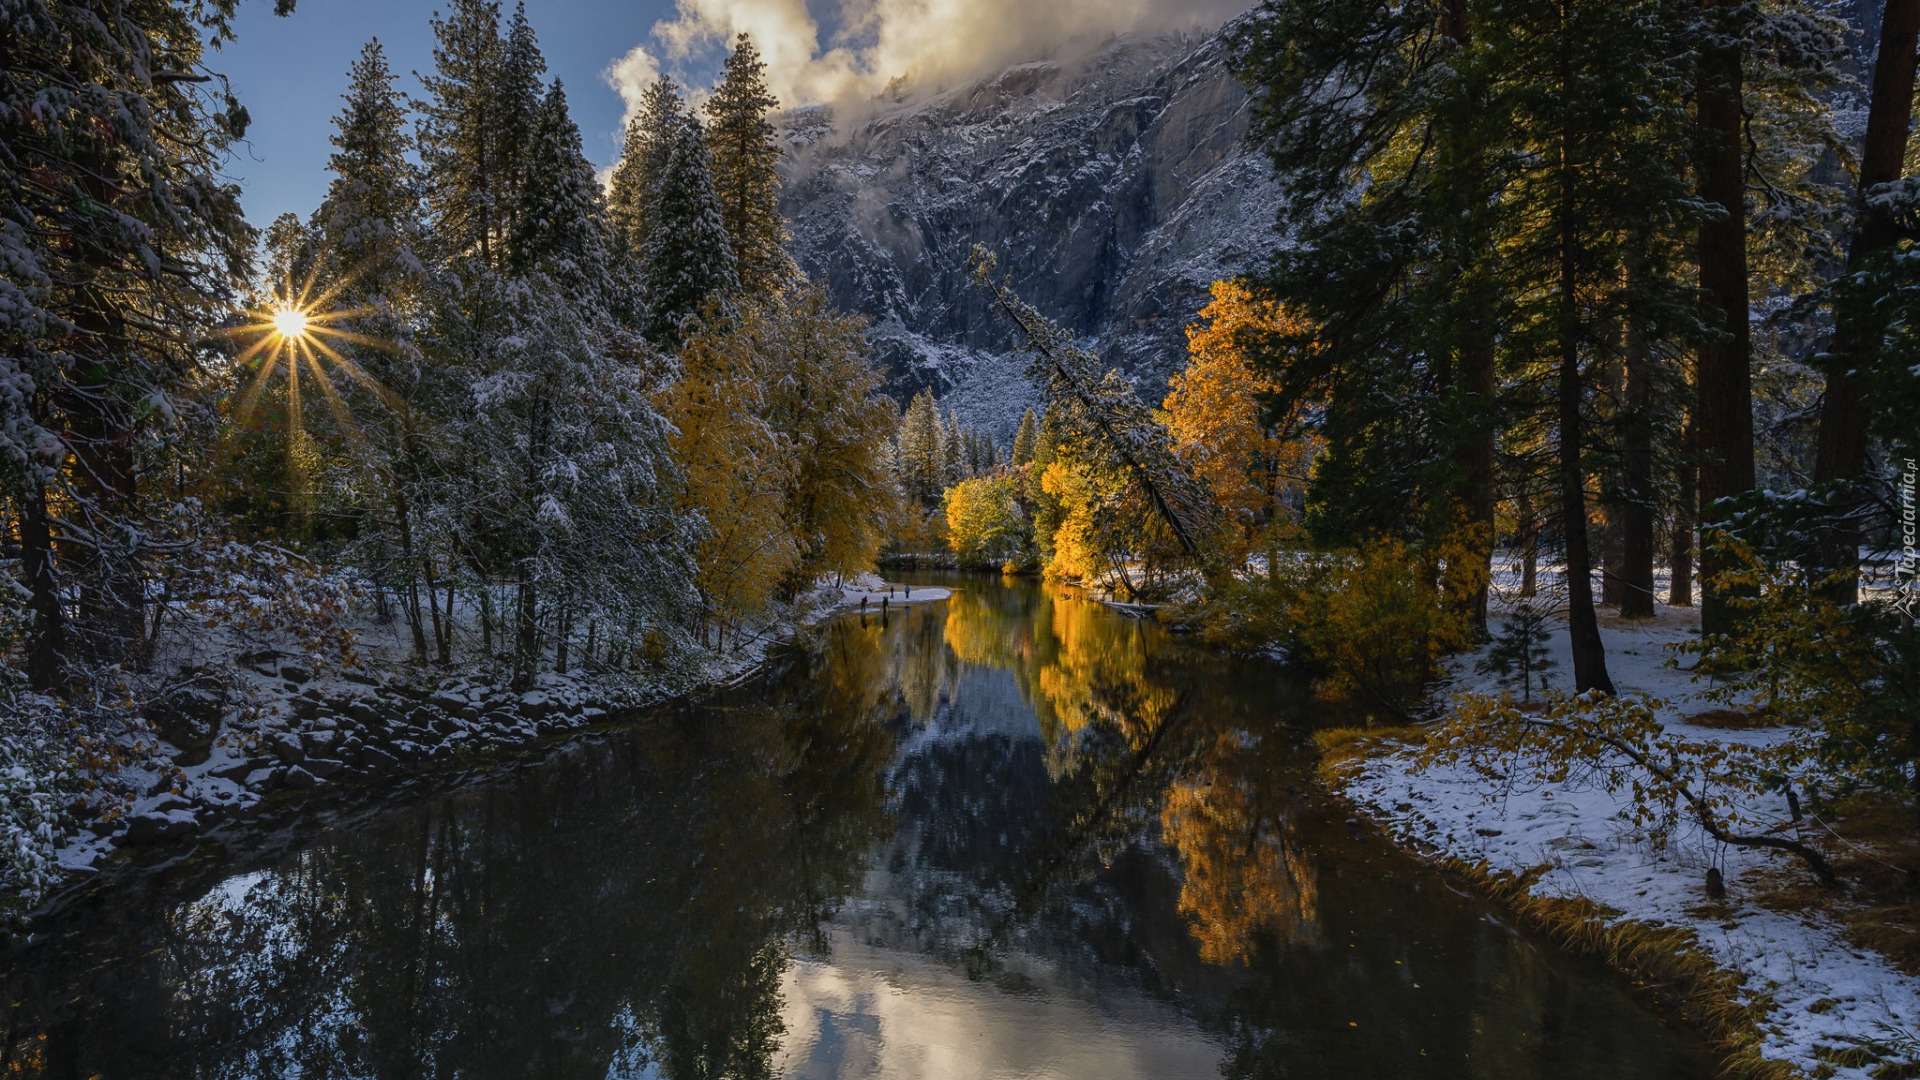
[{"x": 1825, "y": 993}]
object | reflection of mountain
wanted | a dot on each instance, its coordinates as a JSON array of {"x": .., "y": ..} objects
[
  {"x": 879, "y": 1012},
  {"x": 884, "y": 817}
]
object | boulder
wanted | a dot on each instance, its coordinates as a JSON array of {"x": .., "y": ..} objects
[
  {"x": 299, "y": 779},
  {"x": 287, "y": 748},
  {"x": 189, "y": 717},
  {"x": 158, "y": 827},
  {"x": 295, "y": 673},
  {"x": 324, "y": 768}
]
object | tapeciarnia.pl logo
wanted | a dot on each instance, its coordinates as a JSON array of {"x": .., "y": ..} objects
[{"x": 1906, "y": 573}]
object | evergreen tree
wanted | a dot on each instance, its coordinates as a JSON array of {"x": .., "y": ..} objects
[
  {"x": 921, "y": 462},
  {"x": 687, "y": 260},
  {"x": 953, "y": 453},
  {"x": 745, "y": 160},
  {"x": 463, "y": 136},
  {"x": 643, "y": 161},
  {"x": 1023, "y": 439},
  {"x": 122, "y": 243},
  {"x": 559, "y": 220}
]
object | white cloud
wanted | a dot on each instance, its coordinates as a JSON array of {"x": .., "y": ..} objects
[{"x": 927, "y": 43}]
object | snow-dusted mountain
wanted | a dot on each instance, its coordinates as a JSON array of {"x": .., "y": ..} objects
[{"x": 1114, "y": 185}]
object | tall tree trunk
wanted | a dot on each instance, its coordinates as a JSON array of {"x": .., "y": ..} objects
[
  {"x": 1583, "y": 626},
  {"x": 43, "y": 583},
  {"x": 1529, "y": 528},
  {"x": 1477, "y": 382},
  {"x": 1723, "y": 378},
  {"x": 1685, "y": 515},
  {"x": 526, "y": 634},
  {"x": 403, "y": 517},
  {"x": 1841, "y": 457},
  {"x": 1635, "y": 511}
]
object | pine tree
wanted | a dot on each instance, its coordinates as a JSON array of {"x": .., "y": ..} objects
[
  {"x": 463, "y": 138},
  {"x": 953, "y": 459},
  {"x": 559, "y": 219},
  {"x": 643, "y": 161},
  {"x": 122, "y": 243},
  {"x": 920, "y": 460},
  {"x": 1024, "y": 438},
  {"x": 687, "y": 260},
  {"x": 745, "y": 160}
]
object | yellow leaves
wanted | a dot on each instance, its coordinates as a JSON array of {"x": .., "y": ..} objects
[
  {"x": 984, "y": 523},
  {"x": 1240, "y": 873},
  {"x": 1215, "y": 415}
]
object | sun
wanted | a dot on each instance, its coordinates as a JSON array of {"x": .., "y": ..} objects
[{"x": 291, "y": 322}]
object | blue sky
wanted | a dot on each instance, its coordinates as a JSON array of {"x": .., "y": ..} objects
[{"x": 291, "y": 72}]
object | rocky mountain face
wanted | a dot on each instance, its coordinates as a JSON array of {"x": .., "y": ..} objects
[{"x": 1114, "y": 185}]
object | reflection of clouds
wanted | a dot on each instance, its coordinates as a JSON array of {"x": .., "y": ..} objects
[{"x": 870, "y": 1012}]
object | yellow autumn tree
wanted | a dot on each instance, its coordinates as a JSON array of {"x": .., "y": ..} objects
[
  {"x": 1214, "y": 413},
  {"x": 737, "y": 472}
]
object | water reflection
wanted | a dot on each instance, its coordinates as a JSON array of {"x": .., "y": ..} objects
[{"x": 1013, "y": 834}]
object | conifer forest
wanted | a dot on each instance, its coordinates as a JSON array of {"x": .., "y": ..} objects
[{"x": 863, "y": 538}]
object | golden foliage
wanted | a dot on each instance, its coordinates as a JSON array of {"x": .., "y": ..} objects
[
  {"x": 1240, "y": 873},
  {"x": 1215, "y": 415}
]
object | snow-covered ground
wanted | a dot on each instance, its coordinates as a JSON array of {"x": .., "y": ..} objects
[{"x": 1825, "y": 992}]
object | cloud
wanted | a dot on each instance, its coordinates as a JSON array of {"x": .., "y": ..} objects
[{"x": 869, "y": 45}]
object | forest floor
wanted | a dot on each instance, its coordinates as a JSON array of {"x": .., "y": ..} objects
[{"x": 1821, "y": 1000}]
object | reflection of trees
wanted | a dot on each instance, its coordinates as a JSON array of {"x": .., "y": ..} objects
[
  {"x": 621, "y": 902},
  {"x": 1241, "y": 870}
]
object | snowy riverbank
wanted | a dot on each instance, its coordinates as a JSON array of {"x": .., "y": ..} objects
[
  {"x": 274, "y": 725},
  {"x": 1827, "y": 1004}
]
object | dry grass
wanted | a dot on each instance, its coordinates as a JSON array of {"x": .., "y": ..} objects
[
  {"x": 1664, "y": 962},
  {"x": 1343, "y": 747},
  {"x": 1880, "y": 864},
  {"x": 1733, "y": 719}
]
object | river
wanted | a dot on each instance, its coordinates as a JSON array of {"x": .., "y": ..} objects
[{"x": 1010, "y": 834}]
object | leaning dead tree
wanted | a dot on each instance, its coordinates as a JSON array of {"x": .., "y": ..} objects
[{"x": 1120, "y": 428}]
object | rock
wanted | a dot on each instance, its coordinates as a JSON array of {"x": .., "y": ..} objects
[
  {"x": 449, "y": 700},
  {"x": 237, "y": 771},
  {"x": 535, "y": 704},
  {"x": 325, "y": 768},
  {"x": 295, "y": 673},
  {"x": 299, "y": 779},
  {"x": 358, "y": 678},
  {"x": 306, "y": 709},
  {"x": 286, "y": 748},
  {"x": 264, "y": 779},
  {"x": 319, "y": 742},
  {"x": 189, "y": 717},
  {"x": 362, "y": 711},
  {"x": 375, "y": 761},
  {"x": 156, "y": 827}
]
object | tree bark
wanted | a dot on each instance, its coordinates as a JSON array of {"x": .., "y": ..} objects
[
  {"x": 1841, "y": 456},
  {"x": 1635, "y": 512},
  {"x": 43, "y": 582},
  {"x": 1723, "y": 379},
  {"x": 1583, "y": 626},
  {"x": 1680, "y": 586}
]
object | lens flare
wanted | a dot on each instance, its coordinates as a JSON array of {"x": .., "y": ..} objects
[{"x": 290, "y": 322}]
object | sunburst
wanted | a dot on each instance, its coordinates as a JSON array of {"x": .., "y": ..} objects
[{"x": 295, "y": 333}]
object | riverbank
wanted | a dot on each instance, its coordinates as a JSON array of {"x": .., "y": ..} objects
[
  {"x": 268, "y": 725},
  {"x": 1773, "y": 978}
]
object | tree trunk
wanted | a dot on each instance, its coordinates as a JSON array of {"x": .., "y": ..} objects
[
  {"x": 1635, "y": 511},
  {"x": 1583, "y": 627},
  {"x": 1680, "y": 587},
  {"x": 1841, "y": 457},
  {"x": 1723, "y": 379},
  {"x": 526, "y": 634},
  {"x": 403, "y": 518},
  {"x": 44, "y": 655},
  {"x": 1529, "y": 528}
]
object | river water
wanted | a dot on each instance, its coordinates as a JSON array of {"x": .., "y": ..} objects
[{"x": 1011, "y": 834}]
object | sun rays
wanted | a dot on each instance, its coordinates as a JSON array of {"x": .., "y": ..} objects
[{"x": 298, "y": 334}]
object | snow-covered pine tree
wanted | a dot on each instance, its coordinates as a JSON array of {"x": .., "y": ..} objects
[
  {"x": 745, "y": 159},
  {"x": 371, "y": 238},
  {"x": 953, "y": 451},
  {"x": 1024, "y": 438},
  {"x": 559, "y": 220},
  {"x": 920, "y": 460},
  {"x": 643, "y": 161},
  {"x": 687, "y": 260},
  {"x": 482, "y": 102},
  {"x": 121, "y": 243}
]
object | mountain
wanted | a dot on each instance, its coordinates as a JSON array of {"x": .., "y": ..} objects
[{"x": 1114, "y": 184}]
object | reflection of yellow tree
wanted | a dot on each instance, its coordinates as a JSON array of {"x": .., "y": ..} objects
[{"x": 1240, "y": 872}]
